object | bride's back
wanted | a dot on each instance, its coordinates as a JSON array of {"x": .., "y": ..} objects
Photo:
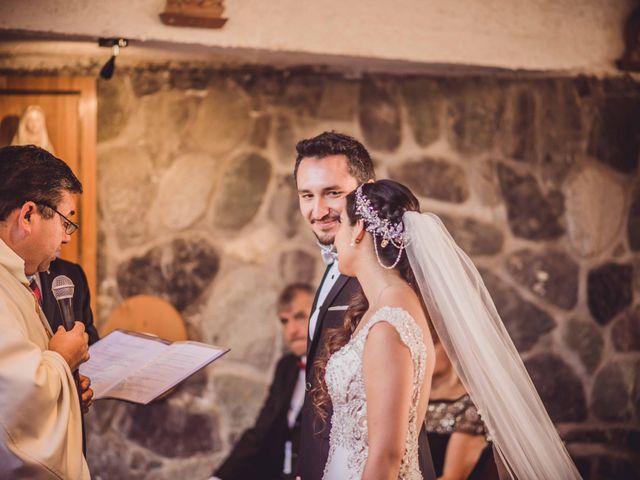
[
  {"x": 379, "y": 386},
  {"x": 405, "y": 298}
]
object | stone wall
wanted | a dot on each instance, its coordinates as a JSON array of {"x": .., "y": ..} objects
[{"x": 537, "y": 178}]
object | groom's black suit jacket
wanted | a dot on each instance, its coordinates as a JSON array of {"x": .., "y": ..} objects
[
  {"x": 314, "y": 439},
  {"x": 259, "y": 453}
]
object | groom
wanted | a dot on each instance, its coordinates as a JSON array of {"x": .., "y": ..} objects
[{"x": 328, "y": 167}]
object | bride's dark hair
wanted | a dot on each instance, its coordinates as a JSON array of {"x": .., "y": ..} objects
[{"x": 390, "y": 200}]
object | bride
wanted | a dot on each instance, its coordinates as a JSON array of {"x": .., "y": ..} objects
[{"x": 376, "y": 375}]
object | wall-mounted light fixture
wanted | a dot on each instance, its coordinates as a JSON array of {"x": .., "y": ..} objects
[
  {"x": 115, "y": 44},
  {"x": 194, "y": 13}
]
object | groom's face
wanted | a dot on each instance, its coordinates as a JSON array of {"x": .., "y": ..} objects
[{"x": 323, "y": 184}]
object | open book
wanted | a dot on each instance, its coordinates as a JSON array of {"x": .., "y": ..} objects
[{"x": 139, "y": 368}]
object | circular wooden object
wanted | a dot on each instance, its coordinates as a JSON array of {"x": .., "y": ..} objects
[{"x": 147, "y": 314}]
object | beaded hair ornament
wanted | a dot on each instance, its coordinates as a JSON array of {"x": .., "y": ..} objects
[{"x": 376, "y": 226}]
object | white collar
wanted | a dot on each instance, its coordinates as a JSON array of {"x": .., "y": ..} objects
[{"x": 12, "y": 262}]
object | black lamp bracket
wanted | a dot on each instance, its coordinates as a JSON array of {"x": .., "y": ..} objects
[
  {"x": 115, "y": 43},
  {"x": 110, "y": 42}
]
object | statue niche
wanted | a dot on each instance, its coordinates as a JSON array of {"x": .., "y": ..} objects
[{"x": 32, "y": 129}]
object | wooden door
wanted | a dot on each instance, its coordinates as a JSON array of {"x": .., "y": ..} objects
[{"x": 69, "y": 106}]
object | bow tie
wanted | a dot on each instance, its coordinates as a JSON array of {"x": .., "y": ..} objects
[
  {"x": 329, "y": 254},
  {"x": 302, "y": 364}
]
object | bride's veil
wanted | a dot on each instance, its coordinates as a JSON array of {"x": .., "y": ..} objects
[{"x": 483, "y": 354}]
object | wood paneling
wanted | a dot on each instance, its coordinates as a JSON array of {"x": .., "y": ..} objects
[{"x": 70, "y": 107}]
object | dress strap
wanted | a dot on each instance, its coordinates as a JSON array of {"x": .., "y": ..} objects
[{"x": 409, "y": 331}]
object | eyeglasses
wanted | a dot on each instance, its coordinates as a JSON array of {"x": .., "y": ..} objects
[{"x": 69, "y": 226}]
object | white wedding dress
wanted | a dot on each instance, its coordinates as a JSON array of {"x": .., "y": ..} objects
[{"x": 348, "y": 444}]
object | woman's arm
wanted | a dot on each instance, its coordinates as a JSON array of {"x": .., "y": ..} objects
[
  {"x": 463, "y": 452},
  {"x": 388, "y": 383}
]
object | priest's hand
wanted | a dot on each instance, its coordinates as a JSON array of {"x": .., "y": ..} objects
[
  {"x": 87, "y": 393},
  {"x": 72, "y": 345}
]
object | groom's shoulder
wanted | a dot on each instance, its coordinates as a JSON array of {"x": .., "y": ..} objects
[
  {"x": 349, "y": 288},
  {"x": 352, "y": 285}
]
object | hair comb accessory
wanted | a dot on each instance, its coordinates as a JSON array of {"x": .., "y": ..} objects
[{"x": 393, "y": 233}]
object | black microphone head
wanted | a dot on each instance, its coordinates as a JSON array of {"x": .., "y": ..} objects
[{"x": 62, "y": 287}]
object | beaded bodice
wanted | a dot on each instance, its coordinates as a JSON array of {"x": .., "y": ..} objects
[{"x": 345, "y": 384}]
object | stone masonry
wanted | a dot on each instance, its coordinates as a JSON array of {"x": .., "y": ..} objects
[{"x": 537, "y": 178}]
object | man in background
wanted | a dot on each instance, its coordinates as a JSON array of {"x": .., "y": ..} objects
[
  {"x": 81, "y": 296},
  {"x": 40, "y": 418},
  {"x": 269, "y": 449}
]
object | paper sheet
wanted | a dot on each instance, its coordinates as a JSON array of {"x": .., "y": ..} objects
[{"x": 139, "y": 368}]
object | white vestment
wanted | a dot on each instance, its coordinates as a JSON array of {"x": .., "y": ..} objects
[{"x": 40, "y": 417}]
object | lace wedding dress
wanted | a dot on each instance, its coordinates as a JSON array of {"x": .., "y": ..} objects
[{"x": 348, "y": 444}]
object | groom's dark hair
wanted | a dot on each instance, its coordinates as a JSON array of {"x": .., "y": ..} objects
[{"x": 332, "y": 143}]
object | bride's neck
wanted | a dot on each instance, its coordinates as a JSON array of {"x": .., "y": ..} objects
[{"x": 375, "y": 280}]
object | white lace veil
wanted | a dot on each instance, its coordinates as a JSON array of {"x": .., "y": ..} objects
[{"x": 483, "y": 354}]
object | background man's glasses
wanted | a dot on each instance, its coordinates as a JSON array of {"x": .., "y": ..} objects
[{"x": 69, "y": 226}]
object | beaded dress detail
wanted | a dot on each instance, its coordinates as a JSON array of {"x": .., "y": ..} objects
[
  {"x": 348, "y": 445},
  {"x": 449, "y": 416}
]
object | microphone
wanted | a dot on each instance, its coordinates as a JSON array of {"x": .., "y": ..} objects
[{"x": 62, "y": 288}]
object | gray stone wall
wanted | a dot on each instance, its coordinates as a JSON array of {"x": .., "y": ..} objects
[{"x": 537, "y": 178}]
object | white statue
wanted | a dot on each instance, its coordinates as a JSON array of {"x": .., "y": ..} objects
[{"x": 32, "y": 129}]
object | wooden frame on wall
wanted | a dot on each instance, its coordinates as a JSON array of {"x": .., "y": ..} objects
[{"x": 82, "y": 160}]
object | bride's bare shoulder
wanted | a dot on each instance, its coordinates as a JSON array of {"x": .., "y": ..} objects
[{"x": 406, "y": 299}]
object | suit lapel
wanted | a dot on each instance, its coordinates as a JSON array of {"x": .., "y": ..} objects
[
  {"x": 291, "y": 379},
  {"x": 333, "y": 293},
  {"x": 328, "y": 302},
  {"x": 313, "y": 307},
  {"x": 315, "y": 299}
]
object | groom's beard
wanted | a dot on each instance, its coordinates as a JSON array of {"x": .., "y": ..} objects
[
  {"x": 322, "y": 241},
  {"x": 329, "y": 237}
]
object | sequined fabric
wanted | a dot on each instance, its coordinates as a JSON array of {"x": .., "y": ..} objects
[
  {"x": 448, "y": 416},
  {"x": 346, "y": 389}
]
